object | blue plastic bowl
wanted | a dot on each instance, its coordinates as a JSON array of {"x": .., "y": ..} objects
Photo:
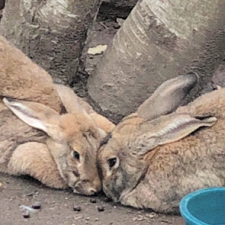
[{"x": 204, "y": 207}]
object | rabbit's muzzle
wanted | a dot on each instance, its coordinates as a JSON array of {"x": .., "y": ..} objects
[{"x": 87, "y": 187}]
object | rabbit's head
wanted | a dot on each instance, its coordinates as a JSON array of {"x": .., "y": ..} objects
[
  {"x": 73, "y": 140},
  {"x": 124, "y": 157}
]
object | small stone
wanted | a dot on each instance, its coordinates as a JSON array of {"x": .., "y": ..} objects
[
  {"x": 36, "y": 205},
  {"x": 92, "y": 200},
  {"x": 76, "y": 208},
  {"x": 100, "y": 208},
  {"x": 26, "y": 214}
]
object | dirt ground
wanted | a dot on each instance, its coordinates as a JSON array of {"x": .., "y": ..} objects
[{"x": 57, "y": 207}]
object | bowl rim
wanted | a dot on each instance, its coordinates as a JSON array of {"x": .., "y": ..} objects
[{"x": 185, "y": 200}]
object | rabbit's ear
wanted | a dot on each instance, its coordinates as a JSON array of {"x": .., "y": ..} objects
[
  {"x": 167, "y": 97},
  {"x": 69, "y": 99},
  {"x": 170, "y": 128},
  {"x": 34, "y": 114},
  {"x": 74, "y": 104}
]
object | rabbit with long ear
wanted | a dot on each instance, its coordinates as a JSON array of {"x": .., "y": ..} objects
[
  {"x": 74, "y": 104},
  {"x": 160, "y": 153},
  {"x": 71, "y": 141},
  {"x": 35, "y": 138}
]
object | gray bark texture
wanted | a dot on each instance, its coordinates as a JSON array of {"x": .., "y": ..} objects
[
  {"x": 51, "y": 32},
  {"x": 159, "y": 40}
]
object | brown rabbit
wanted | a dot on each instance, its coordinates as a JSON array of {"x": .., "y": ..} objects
[
  {"x": 156, "y": 156},
  {"x": 61, "y": 150}
]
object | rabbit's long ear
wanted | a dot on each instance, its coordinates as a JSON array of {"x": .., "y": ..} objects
[
  {"x": 34, "y": 114},
  {"x": 168, "y": 96},
  {"x": 74, "y": 104},
  {"x": 169, "y": 128},
  {"x": 69, "y": 99}
]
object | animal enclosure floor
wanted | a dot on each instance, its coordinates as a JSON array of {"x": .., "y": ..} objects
[{"x": 57, "y": 207}]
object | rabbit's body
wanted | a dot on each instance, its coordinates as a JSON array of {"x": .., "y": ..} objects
[
  {"x": 23, "y": 79},
  {"x": 178, "y": 168},
  {"x": 36, "y": 139},
  {"x": 14, "y": 132},
  {"x": 158, "y": 164}
]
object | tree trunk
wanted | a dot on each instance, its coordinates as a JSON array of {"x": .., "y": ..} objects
[
  {"x": 159, "y": 40},
  {"x": 52, "y": 33}
]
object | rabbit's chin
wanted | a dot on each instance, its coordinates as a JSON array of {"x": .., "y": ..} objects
[{"x": 110, "y": 195}]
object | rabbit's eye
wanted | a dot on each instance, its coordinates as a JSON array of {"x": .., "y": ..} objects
[
  {"x": 76, "y": 155},
  {"x": 112, "y": 162}
]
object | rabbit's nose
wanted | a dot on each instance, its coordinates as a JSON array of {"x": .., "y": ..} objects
[
  {"x": 95, "y": 188},
  {"x": 92, "y": 191}
]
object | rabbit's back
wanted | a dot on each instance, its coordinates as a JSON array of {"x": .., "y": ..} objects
[
  {"x": 23, "y": 79},
  {"x": 179, "y": 168},
  {"x": 212, "y": 104}
]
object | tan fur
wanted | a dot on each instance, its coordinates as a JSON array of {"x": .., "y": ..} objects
[
  {"x": 35, "y": 159},
  {"x": 75, "y": 104},
  {"x": 45, "y": 153},
  {"x": 151, "y": 174},
  {"x": 102, "y": 122}
]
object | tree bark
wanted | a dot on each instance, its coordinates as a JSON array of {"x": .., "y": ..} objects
[
  {"x": 52, "y": 33},
  {"x": 159, "y": 40}
]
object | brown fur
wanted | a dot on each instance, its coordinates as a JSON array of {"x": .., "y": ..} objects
[
  {"x": 75, "y": 104},
  {"x": 23, "y": 79},
  {"x": 156, "y": 173},
  {"x": 27, "y": 157}
]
